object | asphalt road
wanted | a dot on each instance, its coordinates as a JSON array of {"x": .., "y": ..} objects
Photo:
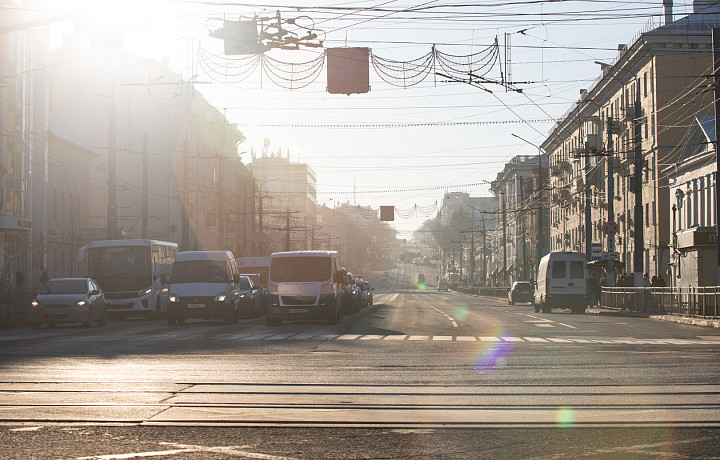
[{"x": 421, "y": 374}]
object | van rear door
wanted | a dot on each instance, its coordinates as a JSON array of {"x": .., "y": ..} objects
[{"x": 558, "y": 277}]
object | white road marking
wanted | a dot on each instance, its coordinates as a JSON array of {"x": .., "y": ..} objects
[
  {"x": 465, "y": 338},
  {"x": 455, "y": 324},
  {"x": 534, "y": 339},
  {"x": 512, "y": 339},
  {"x": 348, "y": 337},
  {"x": 489, "y": 339},
  {"x": 567, "y": 325},
  {"x": 441, "y": 338},
  {"x": 558, "y": 340},
  {"x": 544, "y": 325},
  {"x": 372, "y": 337},
  {"x": 395, "y": 337},
  {"x": 419, "y": 337}
]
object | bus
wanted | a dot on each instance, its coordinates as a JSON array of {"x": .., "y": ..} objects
[{"x": 132, "y": 273}]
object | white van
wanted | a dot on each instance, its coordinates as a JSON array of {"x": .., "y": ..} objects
[
  {"x": 204, "y": 284},
  {"x": 562, "y": 282},
  {"x": 304, "y": 285}
]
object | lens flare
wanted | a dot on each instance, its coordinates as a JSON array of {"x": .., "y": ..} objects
[
  {"x": 422, "y": 286},
  {"x": 493, "y": 355},
  {"x": 461, "y": 312},
  {"x": 565, "y": 416}
]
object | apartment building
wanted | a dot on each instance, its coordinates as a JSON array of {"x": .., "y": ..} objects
[
  {"x": 520, "y": 239},
  {"x": 630, "y": 123}
]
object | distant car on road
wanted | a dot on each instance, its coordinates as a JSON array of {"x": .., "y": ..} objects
[
  {"x": 68, "y": 300},
  {"x": 420, "y": 278},
  {"x": 384, "y": 282},
  {"x": 369, "y": 291},
  {"x": 443, "y": 285},
  {"x": 521, "y": 291}
]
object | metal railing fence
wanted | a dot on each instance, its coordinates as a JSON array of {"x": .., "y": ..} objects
[{"x": 701, "y": 302}]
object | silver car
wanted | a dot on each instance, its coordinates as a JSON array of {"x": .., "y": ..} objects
[{"x": 68, "y": 300}]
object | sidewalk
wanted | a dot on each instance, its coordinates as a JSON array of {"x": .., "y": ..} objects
[{"x": 670, "y": 318}]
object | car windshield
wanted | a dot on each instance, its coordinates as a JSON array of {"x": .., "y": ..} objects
[
  {"x": 243, "y": 283},
  {"x": 199, "y": 271},
  {"x": 300, "y": 269},
  {"x": 64, "y": 287}
]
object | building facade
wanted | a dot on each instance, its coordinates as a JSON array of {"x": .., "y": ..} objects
[
  {"x": 520, "y": 238},
  {"x": 629, "y": 125}
]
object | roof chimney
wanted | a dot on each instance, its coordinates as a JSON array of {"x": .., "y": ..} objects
[
  {"x": 667, "y": 10},
  {"x": 699, "y": 5}
]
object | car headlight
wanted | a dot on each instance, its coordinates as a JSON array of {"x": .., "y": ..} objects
[
  {"x": 35, "y": 303},
  {"x": 174, "y": 298},
  {"x": 272, "y": 287},
  {"x": 144, "y": 292},
  {"x": 326, "y": 287},
  {"x": 242, "y": 296},
  {"x": 220, "y": 297},
  {"x": 82, "y": 303}
]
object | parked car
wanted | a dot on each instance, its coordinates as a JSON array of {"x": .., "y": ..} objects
[
  {"x": 562, "y": 282},
  {"x": 384, "y": 282},
  {"x": 249, "y": 297},
  {"x": 363, "y": 293},
  {"x": 421, "y": 278},
  {"x": 443, "y": 285},
  {"x": 369, "y": 291},
  {"x": 521, "y": 291},
  {"x": 68, "y": 300}
]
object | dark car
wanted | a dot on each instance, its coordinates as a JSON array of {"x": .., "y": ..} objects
[
  {"x": 369, "y": 291},
  {"x": 521, "y": 291},
  {"x": 249, "y": 296},
  {"x": 68, "y": 300}
]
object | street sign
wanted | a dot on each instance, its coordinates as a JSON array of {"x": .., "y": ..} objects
[
  {"x": 596, "y": 251},
  {"x": 610, "y": 228}
]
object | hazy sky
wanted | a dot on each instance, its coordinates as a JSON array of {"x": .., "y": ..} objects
[{"x": 377, "y": 161}]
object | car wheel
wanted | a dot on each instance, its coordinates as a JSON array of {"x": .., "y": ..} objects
[
  {"x": 180, "y": 320},
  {"x": 102, "y": 321},
  {"x": 35, "y": 325},
  {"x": 512, "y": 302},
  {"x": 537, "y": 308},
  {"x": 171, "y": 319},
  {"x": 333, "y": 317},
  {"x": 270, "y": 321}
]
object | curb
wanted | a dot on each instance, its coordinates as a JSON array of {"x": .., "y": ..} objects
[{"x": 687, "y": 320}]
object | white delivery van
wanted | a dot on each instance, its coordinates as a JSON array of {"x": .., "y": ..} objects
[
  {"x": 304, "y": 285},
  {"x": 562, "y": 282},
  {"x": 204, "y": 284}
]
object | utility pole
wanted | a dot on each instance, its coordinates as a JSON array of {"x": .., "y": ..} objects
[
  {"x": 484, "y": 251},
  {"x": 588, "y": 208},
  {"x": 185, "y": 237},
  {"x": 472, "y": 248},
  {"x": 221, "y": 205},
  {"x": 287, "y": 230},
  {"x": 504, "y": 226},
  {"x": 639, "y": 227},
  {"x": 716, "y": 74},
  {"x": 112, "y": 174},
  {"x": 610, "y": 202},
  {"x": 260, "y": 222},
  {"x": 146, "y": 185}
]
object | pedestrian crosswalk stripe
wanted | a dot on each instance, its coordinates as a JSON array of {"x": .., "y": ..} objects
[
  {"x": 440, "y": 338},
  {"x": 511, "y": 339},
  {"x": 489, "y": 339},
  {"x": 348, "y": 337},
  {"x": 419, "y": 337},
  {"x": 395, "y": 337},
  {"x": 534, "y": 339}
]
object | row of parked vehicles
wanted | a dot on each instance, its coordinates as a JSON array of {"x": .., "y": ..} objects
[{"x": 210, "y": 285}]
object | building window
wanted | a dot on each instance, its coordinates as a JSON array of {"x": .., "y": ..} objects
[{"x": 645, "y": 84}]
